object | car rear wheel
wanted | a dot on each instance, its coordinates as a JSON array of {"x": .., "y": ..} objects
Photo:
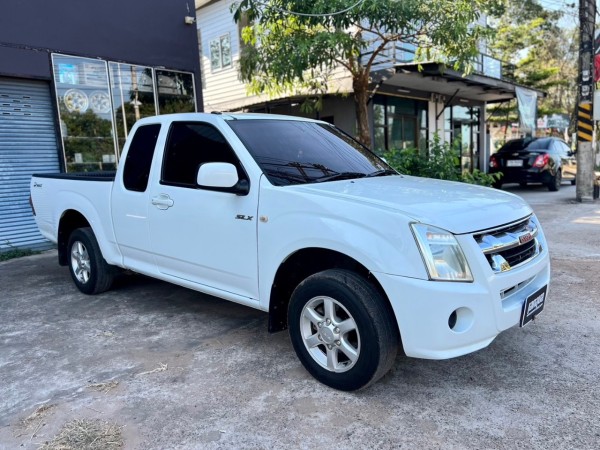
[
  {"x": 342, "y": 330},
  {"x": 90, "y": 272},
  {"x": 555, "y": 181}
]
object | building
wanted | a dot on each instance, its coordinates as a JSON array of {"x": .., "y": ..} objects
[
  {"x": 409, "y": 104},
  {"x": 74, "y": 77}
]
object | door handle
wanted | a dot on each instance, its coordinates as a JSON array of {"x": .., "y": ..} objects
[{"x": 162, "y": 201}]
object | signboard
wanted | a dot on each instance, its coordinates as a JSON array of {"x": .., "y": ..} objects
[{"x": 527, "y": 102}]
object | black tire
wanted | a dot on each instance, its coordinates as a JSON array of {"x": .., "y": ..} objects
[
  {"x": 90, "y": 272},
  {"x": 555, "y": 181},
  {"x": 497, "y": 184},
  {"x": 374, "y": 338},
  {"x": 573, "y": 182},
  {"x": 523, "y": 184}
]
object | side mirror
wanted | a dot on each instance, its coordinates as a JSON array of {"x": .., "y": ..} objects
[{"x": 221, "y": 177}]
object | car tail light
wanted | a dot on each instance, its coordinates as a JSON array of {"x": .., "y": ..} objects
[
  {"x": 541, "y": 160},
  {"x": 494, "y": 162}
]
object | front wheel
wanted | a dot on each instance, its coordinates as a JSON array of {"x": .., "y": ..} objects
[
  {"x": 90, "y": 272},
  {"x": 342, "y": 330}
]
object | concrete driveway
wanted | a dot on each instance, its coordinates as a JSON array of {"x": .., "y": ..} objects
[{"x": 176, "y": 369}]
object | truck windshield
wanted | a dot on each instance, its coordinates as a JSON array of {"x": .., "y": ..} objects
[{"x": 295, "y": 152}]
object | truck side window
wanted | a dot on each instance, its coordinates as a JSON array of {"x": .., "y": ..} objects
[
  {"x": 191, "y": 144},
  {"x": 139, "y": 158}
]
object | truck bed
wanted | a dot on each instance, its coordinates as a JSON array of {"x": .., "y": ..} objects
[{"x": 91, "y": 176}]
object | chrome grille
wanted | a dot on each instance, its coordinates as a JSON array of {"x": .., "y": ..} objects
[{"x": 510, "y": 246}]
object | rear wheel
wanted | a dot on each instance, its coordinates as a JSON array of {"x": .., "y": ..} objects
[
  {"x": 342, "y": 330},
  {"x": 90, "y": 272},
  {"x": 555, "y": 181},
  {"x": 523, "y": 184}
]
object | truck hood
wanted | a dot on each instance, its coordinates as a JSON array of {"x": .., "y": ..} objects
[{"x": 456, "y": 207}]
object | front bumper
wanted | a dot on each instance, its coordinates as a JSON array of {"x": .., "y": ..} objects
[{"x": 484, "y": 308}]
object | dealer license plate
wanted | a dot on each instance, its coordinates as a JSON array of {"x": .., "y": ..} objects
[
  {"x": 514, "y": 163},
  {"x": 533, "y": 305}
]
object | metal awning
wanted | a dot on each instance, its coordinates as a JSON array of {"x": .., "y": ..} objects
[{"x": 439, "y": 79}]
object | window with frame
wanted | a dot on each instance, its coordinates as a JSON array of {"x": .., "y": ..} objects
[
  {"x": 191, "y": 144},
  {"x": 139, "y": 158},
  {"x": 220, "y": 52},
  {"x": 399, "y": 123}
]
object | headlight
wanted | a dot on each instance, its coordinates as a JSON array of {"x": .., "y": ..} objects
[{"x": 444, "y": 259}]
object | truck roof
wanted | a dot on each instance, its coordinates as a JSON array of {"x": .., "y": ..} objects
[{"x": 230, "y": 116}]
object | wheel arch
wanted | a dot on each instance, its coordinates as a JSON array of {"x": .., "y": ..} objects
[
  {"x": 302, "y": 264},
  {"x": 69, "y": 221}
]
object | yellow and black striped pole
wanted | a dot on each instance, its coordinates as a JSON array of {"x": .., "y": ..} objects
[
  {"x": 584, "y": 188},
  {"x": 585, "y": 124}
]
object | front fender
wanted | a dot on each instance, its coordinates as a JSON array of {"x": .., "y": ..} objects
[{"x": 378, "y": 239}]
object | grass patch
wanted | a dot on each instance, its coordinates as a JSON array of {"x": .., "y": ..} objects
[
  {"x": 87, "y": 435},
  {"x": 16, "y": 253}
]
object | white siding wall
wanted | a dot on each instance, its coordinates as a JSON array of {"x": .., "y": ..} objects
[{"x": 222, "y": 90}]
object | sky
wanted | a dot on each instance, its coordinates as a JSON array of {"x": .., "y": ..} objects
[{"x": 570, "y": 9}]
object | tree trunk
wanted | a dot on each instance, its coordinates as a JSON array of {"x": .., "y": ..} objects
[{"x": 360, "y": 84}]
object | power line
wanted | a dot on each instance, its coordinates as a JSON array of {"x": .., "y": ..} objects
[{"x": 295, "y": 13}]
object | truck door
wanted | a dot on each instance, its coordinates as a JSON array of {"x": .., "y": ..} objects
[
  {"x": 197, "y": 234},
  {"x": 129, "y": 201}
]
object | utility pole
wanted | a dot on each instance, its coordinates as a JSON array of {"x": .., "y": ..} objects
[{"x": 585, "y": 123}]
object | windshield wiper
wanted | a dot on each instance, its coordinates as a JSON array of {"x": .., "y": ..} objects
[
  {"x": 340, "y": 176},
  {"x": 382, "y": 173}
]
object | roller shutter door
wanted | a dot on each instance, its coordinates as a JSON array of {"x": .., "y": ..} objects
[{"x": 28, "y": 145}]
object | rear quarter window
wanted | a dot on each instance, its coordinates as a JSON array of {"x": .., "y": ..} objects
[{"x": 139, "y": 158}]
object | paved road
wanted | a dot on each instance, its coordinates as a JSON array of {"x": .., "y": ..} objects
[{"x": 183, "y": 370}]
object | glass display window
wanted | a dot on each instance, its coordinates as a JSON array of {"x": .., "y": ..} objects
[
  {"x": 176, "y": 92},
  {"x": 133, "y": 97},
  {"x": 100, "y": 101},
  {"x": 85, "y": 113}
]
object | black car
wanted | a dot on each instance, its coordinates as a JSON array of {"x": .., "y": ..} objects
[{"x": 534, "y": 160}]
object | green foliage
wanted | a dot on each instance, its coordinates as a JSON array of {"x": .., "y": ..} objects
[
  {"x": 481, "y": 178},
  {"x": 12, "y": 252},
  {"x": 441, "y": 161},
  {"x": 542, "y": 54},
  {"x": 87, "y": 134},
  {"x": 288, "y": 54}
]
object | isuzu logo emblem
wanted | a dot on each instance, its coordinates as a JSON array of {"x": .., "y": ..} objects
[{"x": 524, "y": 238}]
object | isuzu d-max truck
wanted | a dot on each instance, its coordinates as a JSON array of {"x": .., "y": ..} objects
[{"x": 293, "y": 217}]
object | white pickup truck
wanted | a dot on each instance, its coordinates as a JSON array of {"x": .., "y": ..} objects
[{"x": 293, "y": 217}]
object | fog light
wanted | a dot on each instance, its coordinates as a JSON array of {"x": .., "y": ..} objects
[{"x": 461, "y": 320}]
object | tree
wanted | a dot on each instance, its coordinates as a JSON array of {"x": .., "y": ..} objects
[
  {"x": 295, "y": 42},
  {"x": 542, "y": 54}
]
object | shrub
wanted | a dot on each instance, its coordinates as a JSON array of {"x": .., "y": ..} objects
[{"x": 440, "y": 161}]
